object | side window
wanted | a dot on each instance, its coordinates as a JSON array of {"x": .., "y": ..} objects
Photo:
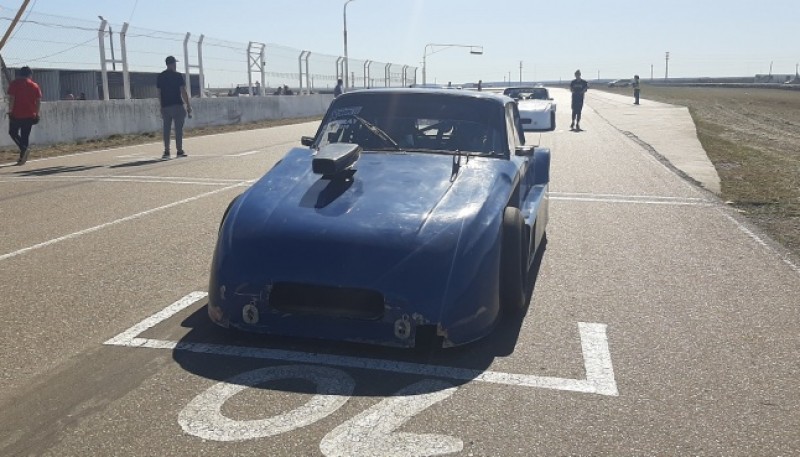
[{"x": 513, "y": 127}]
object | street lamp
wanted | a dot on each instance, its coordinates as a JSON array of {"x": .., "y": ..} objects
[
  {"x": 473, "y": 49},
  {"x": 346, "y": 65}
]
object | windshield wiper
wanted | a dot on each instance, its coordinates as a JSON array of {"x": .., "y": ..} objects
[{"x": 377, "y": 131}]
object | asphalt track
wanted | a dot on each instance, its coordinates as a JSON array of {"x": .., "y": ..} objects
[{"x": 661, "y": 323}]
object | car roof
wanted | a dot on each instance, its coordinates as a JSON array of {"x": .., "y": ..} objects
[{"x": 440, "y": 92}]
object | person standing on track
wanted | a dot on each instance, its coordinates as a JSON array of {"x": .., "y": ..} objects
[
  {"x": 172, "y": 94},
  {"x": 635, "y": 86},
  {"x": 24, "y": 103},
  {"x": 578, "y": 87}
]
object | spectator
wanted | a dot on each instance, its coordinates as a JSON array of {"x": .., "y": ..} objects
[
  {"x": 258, "y": 89},
  {"x": 578, "y": 87},
  {"x": 69, "y": 95},
  {"x": 480, "y": 85},
  {"x": 337, "y": 91},
  {"x": 287, "y": 91},
  {"x": 82, "y": 96},
  {"x": 635, "y": 86},
  {"x": 278, "y": 91},
  {"x": 24, "y": 103},
  {"x": 172, "y": 94}
]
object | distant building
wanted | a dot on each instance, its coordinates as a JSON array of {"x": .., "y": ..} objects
[{"x": 55, "y": 83}]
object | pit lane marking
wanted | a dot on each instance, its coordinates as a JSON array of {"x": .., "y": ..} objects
[
  {"x": 243, "y": 154},
  {"x": 636, "y": 199},
  {"x": 118, "y": 221},
  {"x": 594, "y": 344}
]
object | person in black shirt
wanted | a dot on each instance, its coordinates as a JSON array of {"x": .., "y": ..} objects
[
  {"x": 172, "y": 94},
  {"x": 578, "y": 87}
]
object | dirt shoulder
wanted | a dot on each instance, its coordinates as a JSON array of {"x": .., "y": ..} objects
[
  {"x": 752, "y": 137},
  {"x": 8, "y": 155}
]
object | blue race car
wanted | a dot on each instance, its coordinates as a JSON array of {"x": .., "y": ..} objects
[{"x": 412, "y": 218}]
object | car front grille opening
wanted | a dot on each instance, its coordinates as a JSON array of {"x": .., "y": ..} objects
[{"x": 344, "y": 302}]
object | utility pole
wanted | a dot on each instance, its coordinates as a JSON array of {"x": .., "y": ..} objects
[
  {"x": 520, "y": 72},
  {"x": 651, "y": 72},
  {"x": 14, "y": 23},
  {"x": 666, "y": 71}
]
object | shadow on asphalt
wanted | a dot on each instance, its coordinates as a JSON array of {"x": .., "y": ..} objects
[
  {"x": 137, "y": 163},
  {"x": 55, "y": 170},
  {"x": 471, "y": 359}
]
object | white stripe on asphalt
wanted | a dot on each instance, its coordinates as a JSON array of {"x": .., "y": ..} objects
[
  {"x": 115, "y": 222},
  {"x": 635, "y": 201},
  {"x": 242, "y": 154},
  {"x": 599, "y": 371}
]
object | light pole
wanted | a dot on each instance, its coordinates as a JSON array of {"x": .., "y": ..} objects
[
  {"x": 346, "y": 64},
  {"x": 473, "y": 49}
]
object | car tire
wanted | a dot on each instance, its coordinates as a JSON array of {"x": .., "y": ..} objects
[
  {"x": 552, "y": 121},
  {"x": 513, "y": 262}
]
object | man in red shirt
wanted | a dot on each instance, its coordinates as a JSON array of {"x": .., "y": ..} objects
[{"x": 24, "y": 101}]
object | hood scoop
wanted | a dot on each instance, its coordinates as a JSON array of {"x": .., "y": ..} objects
[{"x": 336, "y": 160}]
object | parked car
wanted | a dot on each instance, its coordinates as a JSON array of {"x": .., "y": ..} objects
[
  {"x": 411, "y": 218},
  {"x": 537, "y": 110},
  {"x": 620, "y": 83}
]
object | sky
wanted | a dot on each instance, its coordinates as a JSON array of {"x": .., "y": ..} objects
[{"x": 609, "y": 39}]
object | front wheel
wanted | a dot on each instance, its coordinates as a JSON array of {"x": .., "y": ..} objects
[{"x": 513, "y": 262}]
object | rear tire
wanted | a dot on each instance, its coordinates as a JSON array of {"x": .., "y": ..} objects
[
  {"x": 552, "y": 121},
  {"x": 513, "y": 262}
]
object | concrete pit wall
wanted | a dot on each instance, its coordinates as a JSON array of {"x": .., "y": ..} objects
[{"x": 69, "y": 121}]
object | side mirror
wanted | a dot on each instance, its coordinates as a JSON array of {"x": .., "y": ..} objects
[
  {"x": 307, "y": 141},
  {"x": 525, "y": 150}
]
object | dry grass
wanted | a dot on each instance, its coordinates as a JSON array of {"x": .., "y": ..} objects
[
  {"x": 752, "y": 137},
  {"x": 113, "y": 141}
]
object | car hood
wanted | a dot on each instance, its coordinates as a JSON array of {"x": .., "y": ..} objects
[{"x": 398, "y": 212}]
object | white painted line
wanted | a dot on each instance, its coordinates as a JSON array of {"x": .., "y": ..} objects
[
  {"x": 148, "y": 177},
  {"x": 129, "y": 180},
  {"x": 115, "y": 222},
  {"x": 599, "y": 371},
  {"x": 373, "y": 432},
  {"x": 125, "y": 337},
  {"x": 763, "y": 243},
  {"x": 626, "y": 197},
  {"x": 622, "y": 200},
  {"x": 203, "y": 416},
  {"x": 242, "y": 154}
]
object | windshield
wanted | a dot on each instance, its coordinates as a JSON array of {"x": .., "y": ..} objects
[{"x": 416, "y": 122}]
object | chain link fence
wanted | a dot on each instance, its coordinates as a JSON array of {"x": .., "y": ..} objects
[{"x": 44, "y": 41}]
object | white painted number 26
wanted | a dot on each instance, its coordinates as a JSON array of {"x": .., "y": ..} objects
[{"x": 368, "y": 434}]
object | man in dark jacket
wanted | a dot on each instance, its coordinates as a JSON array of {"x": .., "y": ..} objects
[
  {"x": 172, "y": 94},
  {"x": 578, "y": 87}
]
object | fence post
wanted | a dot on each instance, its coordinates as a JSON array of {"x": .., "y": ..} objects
[
  {"x": 386, "y": 75},
  {"x": 308, "y": 75},
  {"x": 367, "y": 63},
  {"x": 126, "y": 77},
  {"x": 201, "y": 78},
  {"x": 101, "y": 35},
  {"x": 186, "y": 64}
]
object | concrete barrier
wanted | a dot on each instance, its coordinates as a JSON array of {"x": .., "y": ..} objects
[{"x": 69, "y": 121}]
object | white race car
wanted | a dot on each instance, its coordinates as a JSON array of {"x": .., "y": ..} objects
[{"x": 537, "y": 111}]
